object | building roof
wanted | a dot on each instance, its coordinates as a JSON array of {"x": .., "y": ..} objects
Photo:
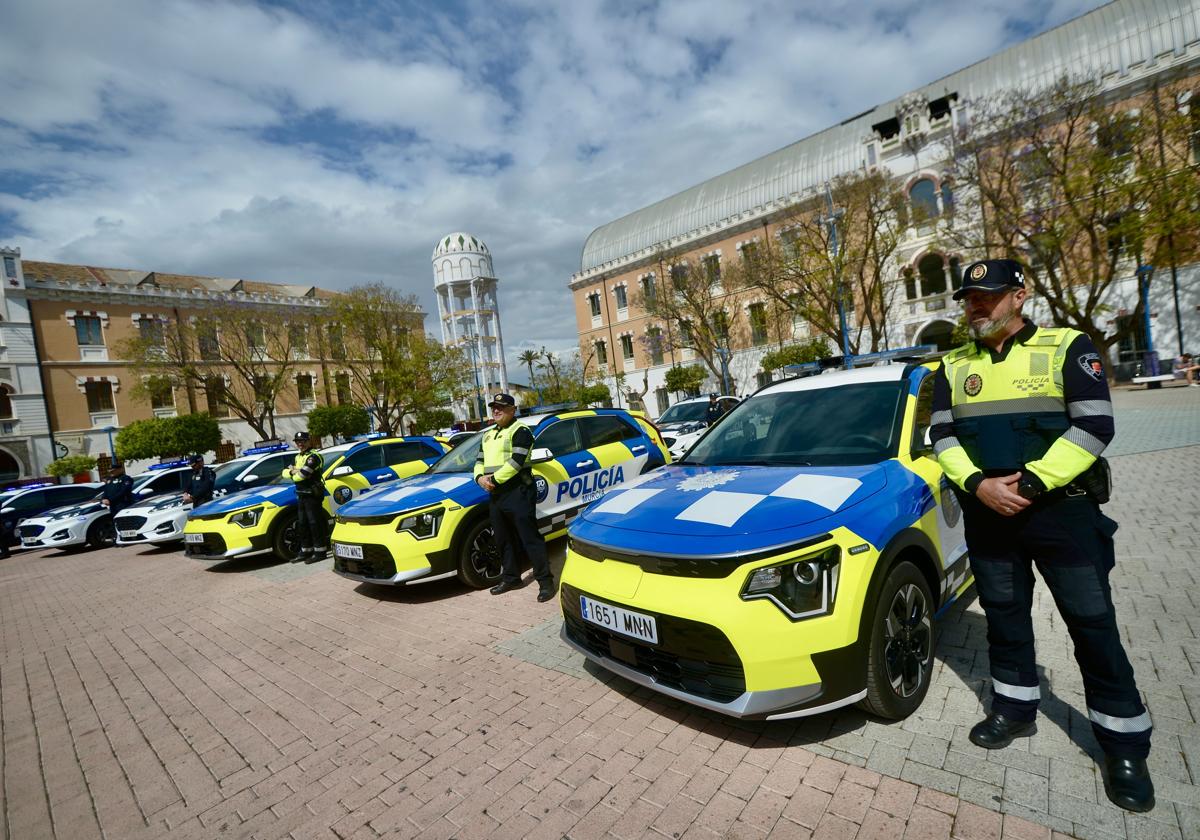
[
  {"x": 459, "y": 242},
  {"x": 1107, "y": 43}
]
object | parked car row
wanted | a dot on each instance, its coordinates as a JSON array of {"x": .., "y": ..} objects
[{"x": 792, "y": 560}]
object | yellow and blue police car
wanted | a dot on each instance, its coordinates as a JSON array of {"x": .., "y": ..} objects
[
  {"x": 264, "y": 519},
  {"x": 436, "y": 525},
  {"x": 793, "y": 562}
]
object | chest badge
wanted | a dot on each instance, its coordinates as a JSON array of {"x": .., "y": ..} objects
[{"x": 973, "y": 385}]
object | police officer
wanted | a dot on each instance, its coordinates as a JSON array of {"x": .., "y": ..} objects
[
  {"x": 200, "y": 483},
  {"x": 117, "y": 493},
  {"x": 310, "y": 495},
  {"x": 500, "y": 469},
  {"x": 714, "y": 410},
  {"x": 1020, "y": 417}
]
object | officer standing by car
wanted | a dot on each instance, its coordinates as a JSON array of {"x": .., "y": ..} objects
[
  {"x": 118, "y": 489},
  {"x": 310, "y": 495},
  {"x": 714, "y": 410},
  {"x": 501, "y": 469},
  {"x": 1020, "y": 418},
  {"x": 200, "y": 483}
]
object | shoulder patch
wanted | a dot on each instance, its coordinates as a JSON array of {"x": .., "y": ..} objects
[
  {"x": 973, "y": 384},
  {"x": 1092, "y": 366}
]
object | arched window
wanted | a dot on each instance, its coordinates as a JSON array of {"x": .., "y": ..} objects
[
  {"x": 6, "y": 409},
  {"x": 932, "y": 269},
  {"x": 923, "y": 197}
]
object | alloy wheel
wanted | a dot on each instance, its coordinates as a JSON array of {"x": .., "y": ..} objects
[{"x": 908, "y": 640}]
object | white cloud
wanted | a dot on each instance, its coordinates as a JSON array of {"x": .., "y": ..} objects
[{"x": 232, "y": 139}]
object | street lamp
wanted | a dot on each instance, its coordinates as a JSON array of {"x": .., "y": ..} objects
[
  {"x": 831, "y": 221},
  {"x": 724, "y": 354},
  {"x": 471, "y": 342},
  {"x": 1150, "y": 358},
  {"x": 112, "y": 450}
]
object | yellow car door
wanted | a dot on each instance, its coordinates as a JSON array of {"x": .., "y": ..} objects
[
  {"x": 355, "y": 472},
  {"x": 411, "y": 456},
  {"x": 552, "y": 477}
]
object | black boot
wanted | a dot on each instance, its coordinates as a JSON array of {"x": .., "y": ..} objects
[
  {"x": 316, "y": 554},
  {"x": 1127, "y": 783},
  {"x": 546, "y": 591},
  {"x": 995, "y": 732},
  {"x": 505, "y": 586},
  {"x": 302, "y": 555}
]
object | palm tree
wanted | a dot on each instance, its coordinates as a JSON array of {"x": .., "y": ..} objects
[
  {"x": 529, "y": 358},
  {"x": 549, "y": 364}
]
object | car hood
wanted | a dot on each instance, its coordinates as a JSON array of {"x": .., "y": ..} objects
[
  {"x": 418, "y": 491},
  {"x": 704, "y": 510},
  {"x": 66, "y": 512},
  {"x": 683, "y": 426},
  {"x": 280, "y": 495}
]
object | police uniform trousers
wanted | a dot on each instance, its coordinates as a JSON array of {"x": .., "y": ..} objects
[
  {"x": 310, "y": 521},
  {"x": 514, "y": 526},
  {"x": 1070, "y": 542}
]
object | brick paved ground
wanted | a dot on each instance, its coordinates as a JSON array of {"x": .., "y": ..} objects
[{"x": 145, "y": 695}]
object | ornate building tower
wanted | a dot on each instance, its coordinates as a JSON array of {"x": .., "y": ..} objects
[{"x": 468, "y": 308}]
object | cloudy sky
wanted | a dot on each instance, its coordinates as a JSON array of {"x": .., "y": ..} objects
[{"x": 335, "y": 142}]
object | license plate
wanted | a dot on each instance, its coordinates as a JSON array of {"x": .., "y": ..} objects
[
  {"x": 193, "y": 538},
  {"x": 351, "y": 552},
  {"x": 28, "y": 542},
  {"x": 625, "y": 622},
  {"x": 129, "y": 535}
]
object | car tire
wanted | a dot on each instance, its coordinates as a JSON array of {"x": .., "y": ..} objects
[
  {"x": 285, "y": 541},
  {"x": 902, "y": 641},
  {"x": 478, "y": 556},
  {"x": 102, "y": 533}
]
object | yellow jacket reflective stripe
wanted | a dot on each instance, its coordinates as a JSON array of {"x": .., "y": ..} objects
[
  {"x": 999, "y": 413},
  {"x": 504, "y": 451}
]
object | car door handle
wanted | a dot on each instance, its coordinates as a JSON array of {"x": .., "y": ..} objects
[
  {"x": 589, "y": 462},
  {"x": 641, "y": 447}
]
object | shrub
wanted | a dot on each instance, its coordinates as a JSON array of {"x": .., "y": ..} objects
[
  {"x": 71, "y": 465},
  {"x": 430, "y": 420},
  {"x": 328, "y": 421},
  {"x": 686, "y": 379}
]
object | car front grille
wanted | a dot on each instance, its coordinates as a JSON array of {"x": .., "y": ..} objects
[
  {"x": 25, "y": 531},
  {"x": 213, "y": 544},
  {"x": 384, "y": 519},
  {"x": 377, "y": 563},
  {"x": 208, "y": 516},
  {"x": 129, "y": 523},
  {"x": 691, "y": 656}
]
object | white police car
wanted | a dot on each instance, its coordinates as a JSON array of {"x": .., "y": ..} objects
[
  {"x": 20, "y": 503},
  {"x": 161, "y": 519},
  {"x": 683, "y": 423},
  {"x": 91, "y": 523}
]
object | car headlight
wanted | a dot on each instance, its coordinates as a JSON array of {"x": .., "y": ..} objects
[
  {"x": 422, "y": 524},
  {"x": 247, "y": 518},
  {"x": 801, "y": 588}
]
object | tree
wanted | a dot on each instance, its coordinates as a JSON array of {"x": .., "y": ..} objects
[
  {"x": 691, "y": 302},
  {"x": 1081, "y": 190},
  {"x": 550, "y": 363},
  {"x": 796, "y": 354},
  {"x": 393, "y": 366},
  {"x": 686, "y": 380},
  {"x": 167, "y": 437},
  {"x": 344, "y": 421},
  {"x": 241, "y": 354},
  {"x": 804, "y": 275},
  {"x": 431, "y": 420},
  {"x": 71, "y": 465},
  {"x": 529, "y": 358}
]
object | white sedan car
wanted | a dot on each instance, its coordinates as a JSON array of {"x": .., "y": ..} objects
[
  {"x": 161, "y": 519},
  {"x": 90, "y": 523},
  {"x": 683, "y": 423}
]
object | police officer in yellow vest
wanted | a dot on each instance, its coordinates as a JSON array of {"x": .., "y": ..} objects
[
  {"x": 1020, "y": 417},
  {"x": 500, "y": 469},
  {"x": 311, "y": 523}
]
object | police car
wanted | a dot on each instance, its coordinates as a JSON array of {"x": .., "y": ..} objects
[
  {"x": 20, "y": 503},
  {"x": 264, "y": 519},
  {"x": 162, "y": 518},
  {"x": 683, "y": 423},
  {"x": 89, "y": 522},
  {"x": 792, "y": 563},
  {"x": 436, "y": 525}
]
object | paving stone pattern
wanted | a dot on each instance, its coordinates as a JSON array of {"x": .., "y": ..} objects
[{"x": 146, "y": 695}]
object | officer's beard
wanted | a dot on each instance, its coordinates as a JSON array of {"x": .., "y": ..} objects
[{"x": 992, "y": 327}]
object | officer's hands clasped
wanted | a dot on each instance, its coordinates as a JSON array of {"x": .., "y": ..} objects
[{"x": 1000, "y": 494}]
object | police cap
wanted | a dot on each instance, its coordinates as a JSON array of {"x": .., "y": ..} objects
[
  {"x": 502, "y": 401},
  {"x": 302, "y": 437},
  {"x": 992, "y": 276}
]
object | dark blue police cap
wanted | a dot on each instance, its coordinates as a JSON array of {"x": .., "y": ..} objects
[
  {"x": 502, "y": 401},
  {"x": 992, "y": 276}
]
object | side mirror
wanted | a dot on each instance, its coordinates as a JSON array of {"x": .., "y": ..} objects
[
  {"x": 145, "y": 491},
  {"x": 344, "y": 469},
  {"x": 251, "y": 477},
  {"x": 927, "y": 438},
  {"x": 8, "y": 510},
  {"x": 540, "y": 455}
]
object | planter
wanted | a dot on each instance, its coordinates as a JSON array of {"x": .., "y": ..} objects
[{"x": 81, "y": 478}]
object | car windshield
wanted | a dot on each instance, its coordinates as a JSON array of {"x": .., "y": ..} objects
[
  {"x": 461, "y": 458},
  {"x": 227, "y": 474},
  {"x": 841, "y": 426},
  {"x": 329, "y": 455},
  {"x": 684, "y": 413}
]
